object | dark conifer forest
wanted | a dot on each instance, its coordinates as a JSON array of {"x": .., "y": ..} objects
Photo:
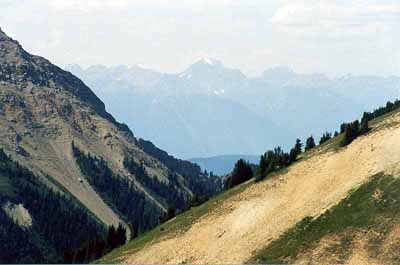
[
  {"x": 140, "y": 213},
  {"x": 59, "y": 223},
  {"x": 242, "y": 172}
]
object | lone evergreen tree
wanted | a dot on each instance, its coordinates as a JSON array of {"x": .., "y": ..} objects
[
  {"x": 295, "y": 151},
  {"x": 298, "y": 147},
  {"x": 310, "y": 143}
]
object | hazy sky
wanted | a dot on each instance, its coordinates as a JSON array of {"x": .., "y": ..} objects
[{"x": 334, "y": 37}]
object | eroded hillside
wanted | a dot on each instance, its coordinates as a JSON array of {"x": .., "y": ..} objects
[{"x": 239, "y": 228}]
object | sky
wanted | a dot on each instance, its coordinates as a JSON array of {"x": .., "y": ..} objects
[{"x": 324, "y": 36}]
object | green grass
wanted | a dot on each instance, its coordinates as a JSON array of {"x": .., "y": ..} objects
[
  {"x": 332, "y": 144},
  {"x": 360, "y": 210},
  {"x": 383, "y": 117},
  {"x": 180, "y": 224}
]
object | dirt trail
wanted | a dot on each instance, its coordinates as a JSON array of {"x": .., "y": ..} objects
[{"x": 245, "y": 223}]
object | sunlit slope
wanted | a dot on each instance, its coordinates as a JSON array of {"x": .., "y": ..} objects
[
  {"x": 239, "y": 227},
  {"x": 362, "y": 229}
]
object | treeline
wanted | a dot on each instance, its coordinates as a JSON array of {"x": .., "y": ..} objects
[
  {"x": 60, "y": 223},
  {"x": 119, "y": 193},
  {"x": 202, "y": 184},
  {"x": 122, "y": 195},
  {"x": 389, "y": 107},
  {"x": 354, "y": 129},
  {"x": 182, "y": 167},
  {"x": 242, "y": 172},
  {"x": 277, "y": 159},
  {"x": 98, "y": 247},
  {"x": 274, "y": 160},
  {"x": 170, "y": 191}
]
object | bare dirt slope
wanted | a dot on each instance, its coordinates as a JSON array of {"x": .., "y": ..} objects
[{"x": 248, "y": 221}]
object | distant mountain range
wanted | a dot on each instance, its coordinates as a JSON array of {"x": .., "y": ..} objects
[{"x": 210, "y": 109}]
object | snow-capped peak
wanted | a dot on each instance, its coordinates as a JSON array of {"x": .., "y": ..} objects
[
  {"x": 139, "y": 66},
  {"x": 210, "y": 61}
]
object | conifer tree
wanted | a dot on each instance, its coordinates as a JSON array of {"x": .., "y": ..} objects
[
  {"x": 112, "y": 238},
  {"x": 351, "y": 132},
  {"x": 310, "y": 143},
  {"x": 293, "y": 155},
  {"x": 325, "y": 137},
  {"x": 262, "y": 168},
  {"x": 298, "y": 147},
  {"x": 241, "y": 173},
  {"x": 343, "y": 127},
  {"x": 364, "y": 126},
  {"x": 121, "y": 235}
]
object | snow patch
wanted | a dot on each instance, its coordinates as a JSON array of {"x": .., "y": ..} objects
[
  {"x": 209, "y": 61},
  {"x": 185, "y": 75},
  {"x": 140, "y": 65},
  {"x": 219, "y": 92}
]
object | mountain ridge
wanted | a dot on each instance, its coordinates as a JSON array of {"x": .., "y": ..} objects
[{"x": 53, "y": 125}]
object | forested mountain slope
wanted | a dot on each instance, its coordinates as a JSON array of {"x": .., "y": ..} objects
[
  {"x": 335, "y": 205},
  {"x": 54, "y": 127}
]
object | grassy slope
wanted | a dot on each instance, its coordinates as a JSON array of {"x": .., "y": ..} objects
[
  {"x": 179, "y": 224},
  {"x": 360, "y": 210},
  {"x": 183, "y": 221}
]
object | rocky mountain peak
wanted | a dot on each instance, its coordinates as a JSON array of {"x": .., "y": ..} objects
[
  {"x": 210, "y": 62},
  {"x": 18, "y": 67},
  {"x": 3, "y": 36},
  {"x": 206, "y": 64},
  {"x": 208, "y": 69}
]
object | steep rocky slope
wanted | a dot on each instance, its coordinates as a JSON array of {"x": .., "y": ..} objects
[
  {"x": 242, "y": 226},
  {"x": 43, "y": 110}
]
